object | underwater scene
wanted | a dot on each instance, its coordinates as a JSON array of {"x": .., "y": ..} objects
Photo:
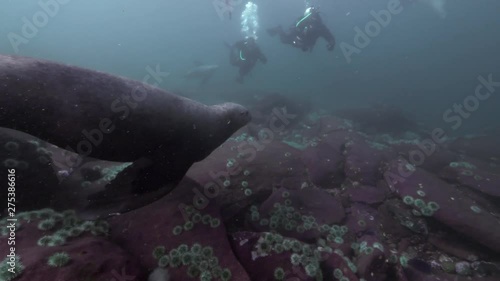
[{"x": 218, "y": 140}]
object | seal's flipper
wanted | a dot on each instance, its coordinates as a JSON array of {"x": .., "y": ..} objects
[
  {"x": 107, "y": 204},
  {"x": 136, "y": 186}
]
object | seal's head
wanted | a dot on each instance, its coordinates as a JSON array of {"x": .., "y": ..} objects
[{"x": 232, "y": 117}]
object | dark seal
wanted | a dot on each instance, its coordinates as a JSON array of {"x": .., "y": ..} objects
[{"x": 117, "y": 119}]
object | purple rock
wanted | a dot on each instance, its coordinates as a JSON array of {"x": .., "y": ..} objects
[
  {"x": 293, "y": 204},
  {"x": 362, "y": 219},
  {"x": 454, "y": 245},
  {"x": 366, "y": 194},
  {"x": 324, "y": 165},
  {"x": 92, "y": 256},
  {"x": 486, "y": 182},
  {"x": 154, "y": 224},
  {"x": 242, "y": 171},
  {"x": 260, "y": 264},
  {"x": 363, "y": 162},
  {"x": 371, "y": 260},
  {"x": 444, "y": 203},
  {"x": 435, "y": 156},
  {"x": 338, "y": 261}
]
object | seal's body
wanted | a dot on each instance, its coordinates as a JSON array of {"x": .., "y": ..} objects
[{"x": 113, "y": 118}]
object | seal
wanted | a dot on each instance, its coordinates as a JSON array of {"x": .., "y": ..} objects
[{"x": 112, "y": 118}]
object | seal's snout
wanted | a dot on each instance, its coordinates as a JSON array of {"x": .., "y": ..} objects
[
  {"x": 241, "y": 114},
  {"x": 234, "y": 114},
  {"x": 245, "y": 115}
]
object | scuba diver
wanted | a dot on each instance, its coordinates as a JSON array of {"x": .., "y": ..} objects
[
  {"x": 245, "y": 54},
  {"x": 306, "y": 31}
]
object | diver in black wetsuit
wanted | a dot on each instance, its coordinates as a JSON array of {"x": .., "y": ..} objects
[
  {"x": 245, "y": 54},
  {"x": 305, "y": 32}
]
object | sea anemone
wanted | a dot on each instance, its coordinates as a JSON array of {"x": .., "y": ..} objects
[{"x": 59, "y": 259}]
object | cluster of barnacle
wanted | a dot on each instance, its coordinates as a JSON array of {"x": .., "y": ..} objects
[
  {"x": 6, "y": 271},
  {"x": 304, "y": 255},
  {"x": 200, "y": 261},
  {"x": 231, "y": 162},
  {"x": 426, "y": 209},
  {"x": 59, "y": 259},
  {"x": 285, "y": 216},
  {"x": 365, "y": 248},
  {"x": 467, "y": 169},
  {"x": 64, "y": 225},
  {"x": 195, "y": 217},
  {"x": 338, "y": 273}
]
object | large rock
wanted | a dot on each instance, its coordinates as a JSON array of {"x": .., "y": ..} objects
[
  {"x": 324, "y": 165},
  {"x": 363, "y": 162},
  {"x": 260, "y": 258},
  {"x": 244, "y": 170},
  {"x": 171, "y": 222},
  {"x": 299, "y": 213},
  {"x": 366, "y": 194},
  {"x": 478, "y": 179},
  {"x": 43, "y": 233},
  {"x": 443, "y": 202}
]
